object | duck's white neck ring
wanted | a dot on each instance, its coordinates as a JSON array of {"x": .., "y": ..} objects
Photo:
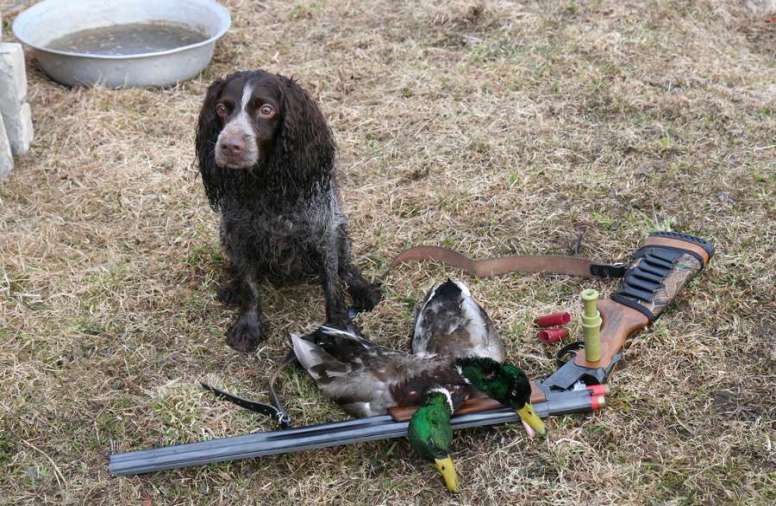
[{"x": 446, "y": 392}]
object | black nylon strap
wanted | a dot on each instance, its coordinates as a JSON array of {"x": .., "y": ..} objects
[
  {"x": 632, "y": 303},
  {"x": 278, "y": 413},
  {"x": 644, "y": 251}
]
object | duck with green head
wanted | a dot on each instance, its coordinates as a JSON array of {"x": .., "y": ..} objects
[
  {"x": 366, "y": 379},
  {"x": 430, "y": 432}
]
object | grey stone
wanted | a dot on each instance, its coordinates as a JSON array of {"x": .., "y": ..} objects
[
  {"x": 13, "y": 91},
  {"x": 12, "y": 72},
  {"x": 761, "y": 6},
  {"x": 18, "y": 126},
  {"x": 6, "y": 160}
]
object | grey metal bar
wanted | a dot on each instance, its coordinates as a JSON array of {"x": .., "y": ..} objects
[
  {"x": 316, "y": 436},
  {"x": 331, "y": 428}
]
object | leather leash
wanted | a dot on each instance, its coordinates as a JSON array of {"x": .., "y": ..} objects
[{"x": 527, "y": 264}]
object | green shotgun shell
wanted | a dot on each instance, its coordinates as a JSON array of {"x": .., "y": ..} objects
[{"x": 591, "y": 325}]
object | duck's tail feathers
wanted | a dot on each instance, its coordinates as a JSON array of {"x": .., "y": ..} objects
[
  {"x": 451, "y": 290},
  {"x": 311, "y": 356},
  {"x": 331, "y": 351},
  {"x": 336, "y": 338}
]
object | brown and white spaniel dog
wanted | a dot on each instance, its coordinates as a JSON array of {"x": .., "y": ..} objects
[{"x": 266, "y": 156}]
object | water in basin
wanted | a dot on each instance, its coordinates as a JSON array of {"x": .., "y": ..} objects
[{"x": 128, "y": 39}]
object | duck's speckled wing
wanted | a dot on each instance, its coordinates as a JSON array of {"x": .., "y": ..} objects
[
  {"x": 366, "y": 379},
  {"x": 449, "y": 321}
]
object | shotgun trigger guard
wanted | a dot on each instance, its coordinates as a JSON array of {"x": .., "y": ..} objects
[
  {"x": 566, "y": 376},
  {"x": 568, "y": 352}
]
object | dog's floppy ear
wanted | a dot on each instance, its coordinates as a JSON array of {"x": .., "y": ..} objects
[
  {"x": 208, "y": 128},
  {"x": 304, "y": 146}
]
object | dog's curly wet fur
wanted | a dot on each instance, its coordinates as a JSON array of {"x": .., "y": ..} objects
[{"x": 281, "y": 218}]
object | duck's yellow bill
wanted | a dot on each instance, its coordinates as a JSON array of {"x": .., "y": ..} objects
[
  {"x": 447, "y": 470},
  {"x": 529, "y": 416}
]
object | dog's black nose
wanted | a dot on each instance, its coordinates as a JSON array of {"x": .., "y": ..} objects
[{"x": 233, "y": 147}]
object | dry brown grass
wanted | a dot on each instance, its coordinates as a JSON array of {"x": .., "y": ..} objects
[{"x": 495, "y": 127}]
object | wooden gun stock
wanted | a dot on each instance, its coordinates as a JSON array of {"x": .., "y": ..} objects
[
  {"x": 619, "y": 323},
  {"x": 659, "y": 269}
]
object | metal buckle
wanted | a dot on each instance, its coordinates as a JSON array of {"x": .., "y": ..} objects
[{"x": 615, "y": 270}]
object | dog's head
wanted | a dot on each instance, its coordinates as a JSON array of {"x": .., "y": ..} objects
[
  {"x": 265, "y": 125},
  {"x": 249, "y": 110}
]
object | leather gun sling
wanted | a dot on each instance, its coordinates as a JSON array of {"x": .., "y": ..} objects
[{"x": 529, "y": 264}]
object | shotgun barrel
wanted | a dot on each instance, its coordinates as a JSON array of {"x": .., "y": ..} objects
[{"x": 373, "y": 428}]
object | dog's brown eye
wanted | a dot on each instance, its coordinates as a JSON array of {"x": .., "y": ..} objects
[
  {"x": 222, "y": 111},
  {"x": 266, "y": 111}
]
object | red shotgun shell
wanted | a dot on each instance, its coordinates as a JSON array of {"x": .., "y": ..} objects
[
  {"x": 548, "y": 336},
  {"x": 597, "y": 402},
  {"x": 553, "y": 319},
  {"x": 598, "y": 389}
]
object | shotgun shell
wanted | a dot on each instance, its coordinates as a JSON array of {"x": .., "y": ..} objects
[
  {"x": 548, "y": 336},
  {"x": 598, "y": 389},
  {"x": 597, "y": 402},
  {"x": 553, "y": 319}
]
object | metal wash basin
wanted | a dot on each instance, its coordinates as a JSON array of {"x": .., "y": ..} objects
[{"x": 122, "y": 43}]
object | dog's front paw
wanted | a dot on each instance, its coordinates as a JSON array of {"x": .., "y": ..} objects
[
  {"x": 365, "y": 296},
  {"x": 230, "y": 294},
  {"x": 246, "y": 333}
]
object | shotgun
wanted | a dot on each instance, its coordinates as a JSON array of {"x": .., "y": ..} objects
[{"x": 655, "y": 275}]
